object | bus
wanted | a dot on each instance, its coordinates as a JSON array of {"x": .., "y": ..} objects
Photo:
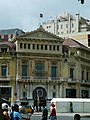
[{"x": 68, "y": 105}]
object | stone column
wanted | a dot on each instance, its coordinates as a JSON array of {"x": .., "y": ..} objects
[
  {"x": 57, "y": 91},
  {"x": 28, "y": 91},
  {"x": 31, "y": 91},
  {"x": 17, "y": 91}
]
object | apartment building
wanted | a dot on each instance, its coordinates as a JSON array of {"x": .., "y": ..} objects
[
  {"x": 8, "y": 34},
  {"x": 66, "y": 25}
]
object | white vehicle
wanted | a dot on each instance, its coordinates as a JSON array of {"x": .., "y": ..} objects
[{"x": 76, "y": 105}]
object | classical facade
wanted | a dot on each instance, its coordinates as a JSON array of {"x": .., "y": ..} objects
[
  {"x": 39, "y": 60},
  {"x": 43, "y": 66},
  {"x": 7, "y": 71}
]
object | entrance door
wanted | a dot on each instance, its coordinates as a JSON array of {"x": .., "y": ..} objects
[{"x": 39, "y": 96}]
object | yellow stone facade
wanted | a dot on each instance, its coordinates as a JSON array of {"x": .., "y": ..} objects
[{"x": 43, "y": 66}]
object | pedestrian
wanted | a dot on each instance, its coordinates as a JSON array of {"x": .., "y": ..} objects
[
  {"x": 53, "y": 113},
  {"x": 71, "y": 107},
  {"x": 5, "y": 112},
  {"x": 15, "y": 115},
  {"x": 44, "y": 113}
]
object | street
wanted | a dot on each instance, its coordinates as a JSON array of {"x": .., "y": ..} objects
[{"x": 60, "y": 116}]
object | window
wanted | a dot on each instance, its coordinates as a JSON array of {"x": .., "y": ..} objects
[
  {"x": 28, "y": 46},
  {"x": 72, "y": 25},
  {"x": 41, "y": 47},
  {"x": 33, "y": 46},
  {"x": 20, "y": 45},
  {"x": 85, "y": 93},
  {"x": 53, "y": 47},
  {"x": 66, "y": 25},
  {"x": 58, "y": 48},
  {"x": 24, "y": 71},
  {"x": 70, "y": 93},
  {"x": 82, "y": 75},
  {"x": 3, "y": 71},
  {"x": 24, "y": 45},
  {"x": 53, "y": 72},
  {"x": 37, "y": 46},
  {"x": 39, "y": 71},
  {"x": 6, "y": 37},
  {"x": 54, "y": 94},
  {"x": 45, "y": 47},
  {"x": 61, "y": 26},
  {"x": 71, "y": 72}
]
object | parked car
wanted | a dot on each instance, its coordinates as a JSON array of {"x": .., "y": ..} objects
[
  {"x": 26, "y": 109},
  {"x": 22, "y": 109},
  {"x": 29, "y": 109}
]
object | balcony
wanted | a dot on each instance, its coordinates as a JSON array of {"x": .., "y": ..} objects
[
  {"x": 72, "y": 80},
  {"x": 39, "y": 79},
  {"x": 5, "y": 78},
  {"x": 86, "y": 82}
]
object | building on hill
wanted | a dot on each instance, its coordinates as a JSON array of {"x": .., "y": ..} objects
[
  {"x": 66, "y": 25},
  {"x": 8, "y": 34},
  {"x": 43, "y": 66}
]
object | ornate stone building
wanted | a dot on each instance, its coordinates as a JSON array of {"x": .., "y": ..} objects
[
  {"x": 44, "y": 66},
  {"x": 39, "y": 61},
  {"x": 7, "y": 71}
]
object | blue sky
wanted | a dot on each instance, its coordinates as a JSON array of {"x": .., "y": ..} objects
[{"x": 24, "y": 14}]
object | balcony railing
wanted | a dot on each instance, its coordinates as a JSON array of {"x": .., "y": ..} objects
[
  {"x": 47, "y": 78},
  {"x": 5, "y": 78},
  {"x": 38, "y": 78}
]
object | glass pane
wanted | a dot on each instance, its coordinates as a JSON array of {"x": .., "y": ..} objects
[
  {"x": 53, "y": 72},
  {"x": 3, "y": 69},
  {"x": 39, "y": 71},
  {"x": 24, "y": 71}
]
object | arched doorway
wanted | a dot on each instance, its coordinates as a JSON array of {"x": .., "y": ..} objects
[{"x": 39, "y": 96}]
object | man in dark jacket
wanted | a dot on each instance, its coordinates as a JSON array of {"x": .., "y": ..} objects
[{"x": 44, "y": 113}]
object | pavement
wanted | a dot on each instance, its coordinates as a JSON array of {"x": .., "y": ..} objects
[{"x": 67, "y": 114}]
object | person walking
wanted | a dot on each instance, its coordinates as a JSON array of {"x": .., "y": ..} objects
[
  {"x": 44, "y": 113},
  {"x": 15, "y": 115},
  {"x": 53, "y": 113},
  {"x": 5, "y": 114}
]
